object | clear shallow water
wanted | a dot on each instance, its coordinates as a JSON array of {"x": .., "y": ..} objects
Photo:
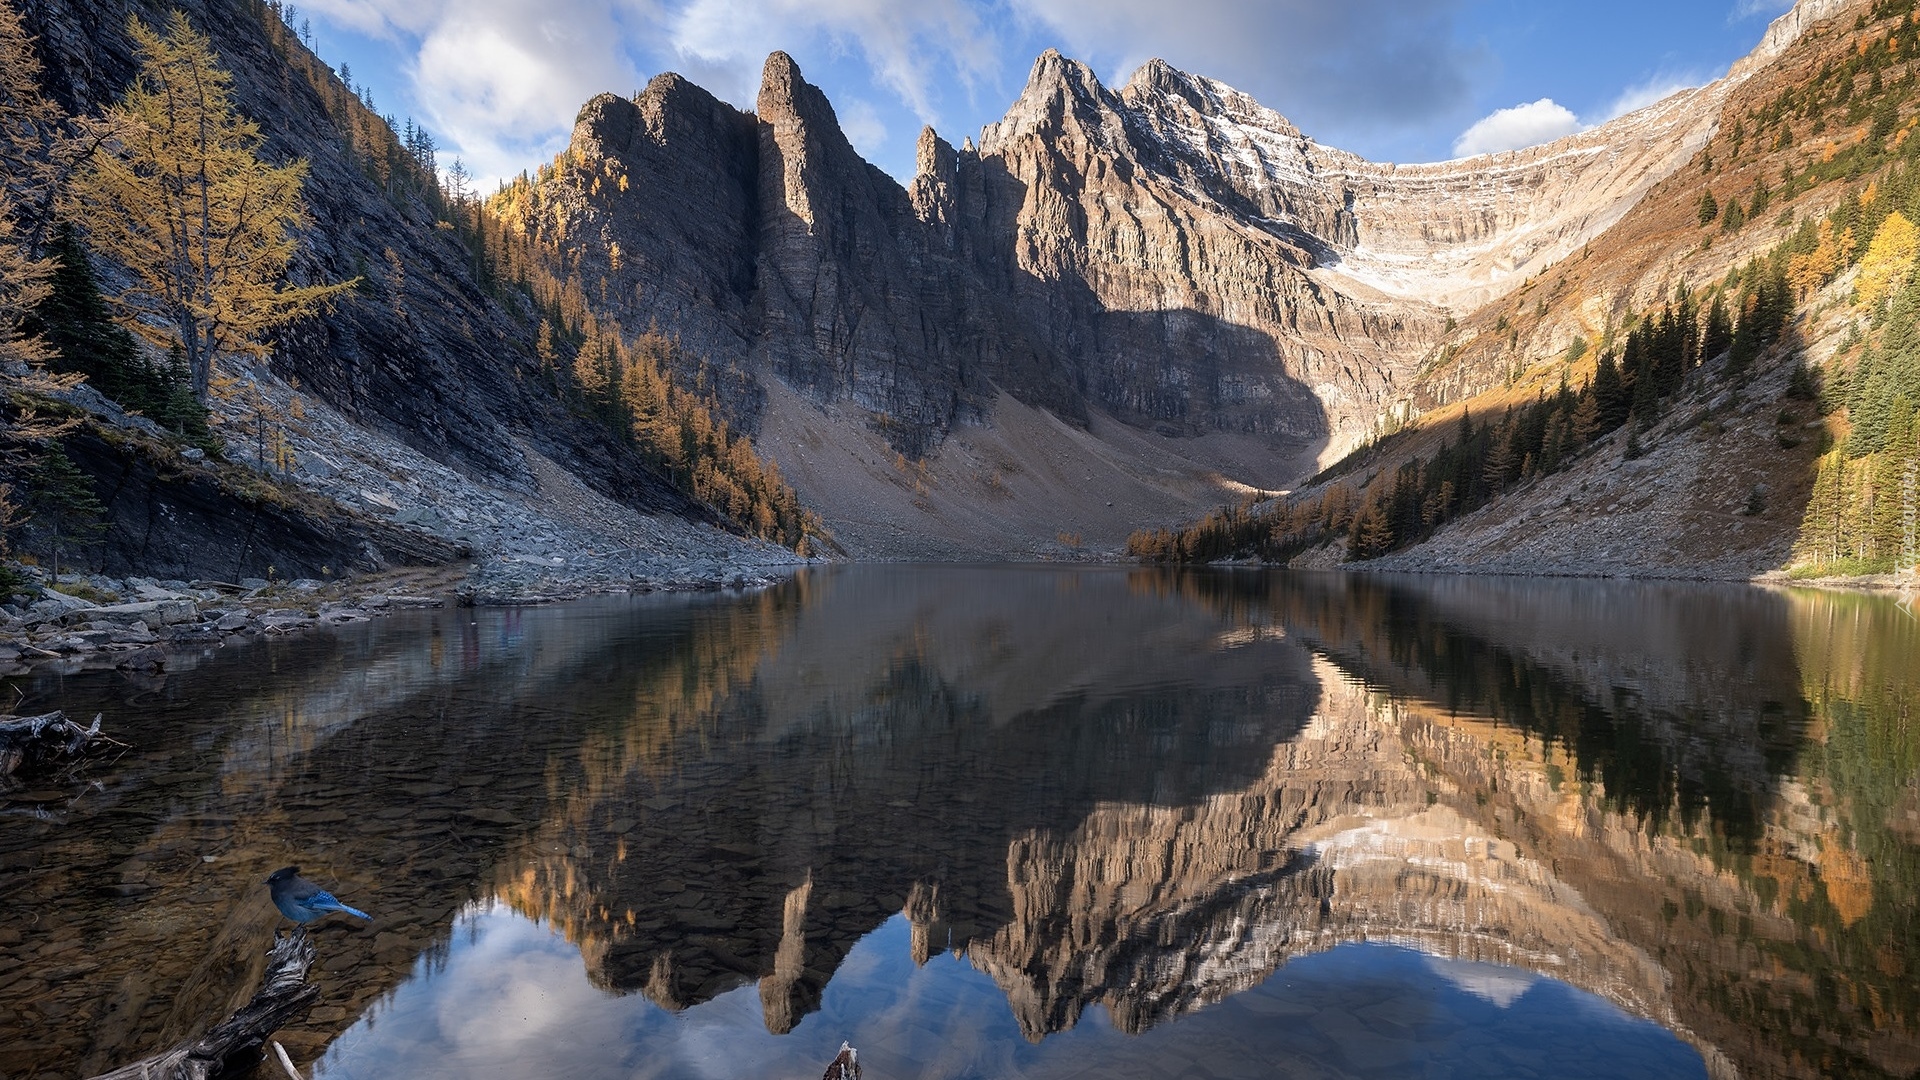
[{"x": 1012, "y": 822}]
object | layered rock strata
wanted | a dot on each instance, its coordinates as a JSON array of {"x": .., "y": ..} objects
[{"x": 1169, "y": 252}]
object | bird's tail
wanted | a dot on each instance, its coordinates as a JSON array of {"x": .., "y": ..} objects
[{"x": 331, "y": 904}]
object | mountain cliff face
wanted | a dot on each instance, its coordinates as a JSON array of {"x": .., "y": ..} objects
[
  {"x": 421, "y": 352},
  {"x": 1120, "y": 307},
  {"x": 1169, "y": 256}
]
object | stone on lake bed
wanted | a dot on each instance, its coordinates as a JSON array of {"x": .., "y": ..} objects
[{"x": 490, "y": 815}]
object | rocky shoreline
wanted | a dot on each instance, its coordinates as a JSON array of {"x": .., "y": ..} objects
[
  {"x": 96, "y": 622},
  {"x": 93, "y": 622}
]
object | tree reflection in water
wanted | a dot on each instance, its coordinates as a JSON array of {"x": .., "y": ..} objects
[{"x": 1141, "y": 791}]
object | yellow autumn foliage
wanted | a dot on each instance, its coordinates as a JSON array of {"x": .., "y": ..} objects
[
  {"x": 184, "y": 201},
  {"x": 1888, "y": 260},
  {"x": 1817, "y": 267}
]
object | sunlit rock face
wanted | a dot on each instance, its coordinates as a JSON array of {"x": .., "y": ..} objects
[
  {"x": 1170, "y": 252},
  {"x": 1455, "y": 234}
]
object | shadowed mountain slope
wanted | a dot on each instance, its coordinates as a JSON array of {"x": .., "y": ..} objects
[{"x": 1214, "y": 302}]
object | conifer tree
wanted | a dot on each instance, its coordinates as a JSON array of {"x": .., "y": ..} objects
[
  {"x": 36, "y": 151},
  {"x": 25, "y": 282},
  {"x": 185, "y": 203},
  {"x": 83, "y": 338},
  {"x": 1372, "y": 534},
  {"x": 1609, "y": 395},
  {"x": 1499, "y": 461},
  {"x": 1718, "y": 336},
  {"x": 1734, "y": 217},
  {"x": 1709, "y": 208},
  {"x": 1586, "y": 419},
  {"x": 63, "y": 504}
]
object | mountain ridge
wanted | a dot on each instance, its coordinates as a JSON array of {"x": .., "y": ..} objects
[
  {"x": 1119, "y": 306},
  {"x": 1171, "y": 255}
]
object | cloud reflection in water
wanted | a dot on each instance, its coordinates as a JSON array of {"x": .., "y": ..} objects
[{"x": 510, "y": 999}]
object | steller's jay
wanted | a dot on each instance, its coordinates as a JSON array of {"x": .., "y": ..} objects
[{"x": 303, "y": 901}]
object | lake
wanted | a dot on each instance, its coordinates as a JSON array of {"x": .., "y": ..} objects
[{"x": 1009, "y": 822}]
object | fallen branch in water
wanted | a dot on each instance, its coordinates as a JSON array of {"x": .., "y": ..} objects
[
  {"x": 285, "y": 1061},
  {"x": 31, "y": 744},
  {"x": 234, "y": 1046}
]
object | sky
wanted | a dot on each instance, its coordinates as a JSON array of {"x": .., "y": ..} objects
[{"x": 498, "y": 82}]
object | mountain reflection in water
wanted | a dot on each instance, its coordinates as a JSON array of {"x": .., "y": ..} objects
[{"x": 1117, "y": 796}]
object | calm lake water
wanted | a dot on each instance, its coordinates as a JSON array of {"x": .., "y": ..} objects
[{"x": 1010, "y": 822}]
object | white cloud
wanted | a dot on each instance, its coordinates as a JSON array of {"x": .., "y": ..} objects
[
  {"x": 498, "y": 82},
  {"x": 497, "y": 85},
  {"x": 1639, "y": 96},
  {"x": 861, "y": 124},
  {"x": 1522, "y": 125},
  {"x": 1360, "y": 64},
  {"x": 1546, "y": 120},
  {"x": 1747, "y": 9},
  {"x": 910, "y": 48},
  {"x": 374, "y": 18}
]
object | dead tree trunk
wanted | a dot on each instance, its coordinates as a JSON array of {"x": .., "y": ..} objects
[
  {"x": 233, "y": 1046},
  {"x": 35, "y": 743}
]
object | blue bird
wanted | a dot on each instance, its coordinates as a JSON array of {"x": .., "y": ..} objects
[{"x": 303, "y": 901}]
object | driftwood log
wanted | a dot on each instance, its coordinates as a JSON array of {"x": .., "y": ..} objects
[
  {"x": 234, "y": 1046},
  {"x": 35, "y": 743}
]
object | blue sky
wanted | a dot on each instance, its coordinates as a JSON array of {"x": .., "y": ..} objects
[{"x": 498, "y": 82}]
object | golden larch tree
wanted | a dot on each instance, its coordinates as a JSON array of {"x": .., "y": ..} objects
[
  {"x": 28, "y": 123},
  {"x": 24, "y": 282},
  {"x": 29, "y": 136},
  {"x": 1888, "y": 259},
  {"x": 185, "y": 202}
]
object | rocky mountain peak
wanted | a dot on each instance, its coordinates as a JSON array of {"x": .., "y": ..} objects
[
  {"x": 1158, "y": 81},
  {"x": 1058, "y": 88},
  {"x": 786, "y": 97},
  {"x": 605, "y": 125},
  {"x": 933, "y": 155},
  {"x": 670, "y": 109},
  {"x": 1785, "y": 30}
]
